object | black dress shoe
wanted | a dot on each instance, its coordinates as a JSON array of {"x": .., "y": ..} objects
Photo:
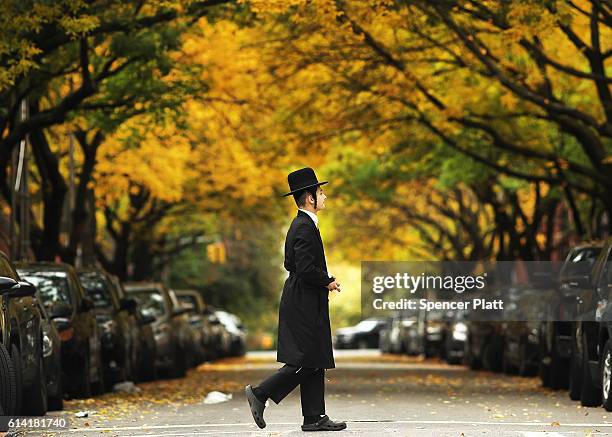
[
  {"x": 257, "y": 407},
  {"x": 324, "y": 424}
]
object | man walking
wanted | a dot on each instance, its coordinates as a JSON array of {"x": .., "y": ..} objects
[{"x": 304, "y": 334}]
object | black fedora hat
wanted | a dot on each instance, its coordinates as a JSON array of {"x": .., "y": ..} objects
[{"x": 301, "y": 179}]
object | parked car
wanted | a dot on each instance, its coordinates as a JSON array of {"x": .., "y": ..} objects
[
  {"x": 73, "y": 314},
  {"x": 143, "y": 370},
  {"x": 233, "y": 325},
  {"x": 433, "y": 333},
  {"x": 200, "y": 323},
  {"x": 485, "y": 337},
  {"x": 52, "y": 353},
  {"x": 221, "y": 339},
  {"x": 410, "y": 327},
  {"x": 603, "y": 288},
  {"x": 116, "y": 317},
  {"x": 173, "y": 338},
  {"x": 22, "y": 369},
  {"x": 456, "y": 337},
  {"x": 555, "y": 336},
  {"x": 591, "y": 332},
  {"x": 524, "y": 309},
  {"x": 387, "y": 335},
  {"x": 361, "y": 336}
]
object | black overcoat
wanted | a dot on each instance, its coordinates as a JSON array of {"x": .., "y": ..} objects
[{"x": 304, "y": 333}]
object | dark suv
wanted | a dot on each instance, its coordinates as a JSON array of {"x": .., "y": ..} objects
[
  {"x": 555, "y": 343},
  {"x": 200, "y": 323},
  {"x": 361, "y": 336},
  {"x": 173, "y": 338},
  {"x": 116, "y": 319},
  {"x": 22, "y": 374},
  {"x": 74, "y": 317},
  {"x": 143, "y": 371},
  {"x": 591, "y": 332}
]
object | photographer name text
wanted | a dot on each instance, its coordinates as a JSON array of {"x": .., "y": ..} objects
[{"x": 429, "y": 305}]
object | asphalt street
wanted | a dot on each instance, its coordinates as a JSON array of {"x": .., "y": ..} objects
[{"x": 376, "y": 395}]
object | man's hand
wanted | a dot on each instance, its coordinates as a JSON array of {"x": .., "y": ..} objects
[{"x": 335, "y": 285}]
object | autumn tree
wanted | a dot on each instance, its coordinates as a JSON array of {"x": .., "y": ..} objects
[
  {"x": 95, "y": 63},
  {"x": 513, "y": 90}
]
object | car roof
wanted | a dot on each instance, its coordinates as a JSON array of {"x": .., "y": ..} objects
[
  {"x": 142, "y": 286},
  {"x": 593, "y": 244},
  {"x": 181, "y": 292},
  {"x": 43, "y": 265},
  {"x": 90, "y": 270}
]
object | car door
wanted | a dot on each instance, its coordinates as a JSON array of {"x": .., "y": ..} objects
[
  {"x": 87, "y": 318},
  {"x": 27, "y": 317}
]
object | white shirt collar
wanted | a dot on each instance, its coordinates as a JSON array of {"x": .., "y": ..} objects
[{"x": 312, "y": 215}]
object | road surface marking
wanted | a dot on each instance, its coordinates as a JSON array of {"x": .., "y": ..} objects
[
  {"x": 541, "y": 434},
  {"x": 414, "y": 422}
]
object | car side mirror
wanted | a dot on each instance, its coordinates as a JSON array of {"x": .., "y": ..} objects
[
  {"x": 87, "y": 304},
  {"x": 581, "y": 281},
  {"x": 146, "y": 319},
  {"x": 22, "y": 289},
  {"x": 62, "y": 324},
  {"x": 6, "y": 284},
  {"x": 129, "y": 304},
  {"x": 60, "y": 310},
  {"x": 180, "y": 311}
]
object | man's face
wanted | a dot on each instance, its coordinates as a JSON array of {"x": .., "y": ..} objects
[{"x": 320, "y": 199}]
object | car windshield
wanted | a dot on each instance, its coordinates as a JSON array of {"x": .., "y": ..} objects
[
  {"x": 151, "y": 302},
  {"x": 580, "y": 262},
  {"x": 96, "y": 288},
  {"x": 226, "y": 319},
  {"x": 52, "y": 287},
  {"x": 435, "y": 315},
  {"x": 187, "y": 302},
  {"x": 367, "y": 325}
]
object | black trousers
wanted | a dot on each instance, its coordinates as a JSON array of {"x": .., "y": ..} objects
[{"x": 288, "y": 377}]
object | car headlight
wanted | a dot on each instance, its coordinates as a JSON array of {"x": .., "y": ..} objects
[
  {"x": 434, "y": 329},
  {"x": 460, "y": 332},
  {"x": 108, "y": 327},
  {"x": 160, "y": 330},
  {"x": 47, "y": 346}
]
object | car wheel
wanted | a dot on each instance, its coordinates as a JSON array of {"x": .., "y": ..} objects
[
  {"x": 82, "y": 380},
  {"x": 558, "y": 370},
  {"x": 544, "y": 373},
  {"x": 525, "y": 368},
  {"x": 8, "y": 383},
  {"x": 590, "y": 395},
  {"x": 575, "y": 376},
  {"x": 492, "y": 356},
  {"x": 56, "y": 403},
  {"x": 472, "y": 361},
  {"x": 427, "y": 349},
  {"x": 16, "y": 358},
  {"x": 99, "y": 386},
  {"x": 37, "y": 393},
  {"x": 124, "y": 374},
  {"x": 130, "y": 374},
  {"x": 507, "y": 367},
  {"x": 606, "y": 376},
  {"x": 179, "y": 364},
  {"x": 147, "y": 370}
]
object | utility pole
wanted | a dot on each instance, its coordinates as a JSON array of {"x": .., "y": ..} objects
[
  {"x": 70, "y": 201},
  {"x": 20, "y": 199}
]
